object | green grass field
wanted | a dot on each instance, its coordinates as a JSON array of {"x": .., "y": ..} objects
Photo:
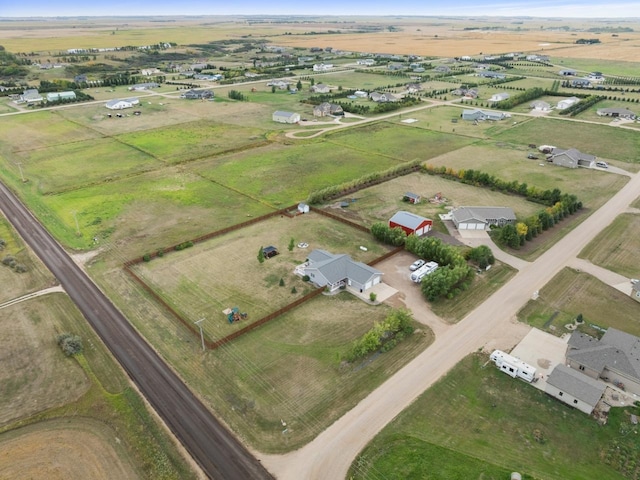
[
  {"x": 616, "y": 246},
  {"x": 570, "y": 293},
  {"x": 600, "y": 140},
  {"x": 477, "y": 423}
]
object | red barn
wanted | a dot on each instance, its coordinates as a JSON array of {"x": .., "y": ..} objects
[{"x": 411, "y": 223}]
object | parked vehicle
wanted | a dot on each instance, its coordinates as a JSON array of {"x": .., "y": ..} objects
[
  {"x": 513, "y": 366},
  {"x": 532, "y": 156},
  {"x": 602, "y": 164},
  {"x": 423, "y": 271},
  {"x": 416, "y": 265}
]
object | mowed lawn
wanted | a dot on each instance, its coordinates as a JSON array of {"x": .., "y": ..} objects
[
  {"x": 188, "y": 141},
  {"x": 38, "y": 130},
  {"x": 617, "y": 246},
  {"x": 479, "y": 423},
  {"x": 71, "y": 166},
  {"x": 289, "y": 369},
  {"x": 601, "y": 140},
  {"x": 398, "y": 141},
  {"x": 509, "y": 162},
  {"x": 224, "y": 272},
  {"x": 159, "y": 209},
  {"x": 380, "y": 202},
  {"x": 570, "y": 293},
  {"x": 284, "y": 174}
]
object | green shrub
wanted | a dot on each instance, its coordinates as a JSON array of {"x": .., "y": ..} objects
[
  {"x": 146, "y": 257},
  {"x": 70, "y": 344}
]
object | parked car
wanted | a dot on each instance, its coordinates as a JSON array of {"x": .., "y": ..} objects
[
  {"x": 416, "y": 265},
  {"x": 532, "y": 156},
  {"x": 634, "y": 281},
  {"x": 602, "y": 164}
]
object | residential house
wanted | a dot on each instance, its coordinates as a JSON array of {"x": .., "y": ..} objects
[
  {"x": 465, "y": 92},
  {"x": 117, "y": 104},
  {"x": 279, "y": 84},
  {"x": 574, "y": 388},
  {"x": 285, "y": 117},
  {"x": 442, "y": 69},
  {"x": 616, "y": 112},
  {"x": 322, "y": 67},
  {"x": 147, "y": 72},
  {"x": 482, "y": 218},
  {"x": 383, "y": 97},
  {"x": 571, "y": 158},
  {"x": 411, "y": 223},
  {"x": 580, "y": 83},
  {"x": 394, "y": 67},
  {"x": 82, "y": 78},
  {"x": 361, "y": 94},
  {"x": 58, "y": 96},
  {"x": 567, "y": 102},
  {"x": 567, "y": 72},
  {"x": 492, "y": 74},
  {"x": 327, "y": 109},
  {"x": 615, "y": 358},
  {"x": 144, "y": 86},
  {"x": 413, "y": 87},
  {"x": 480, "y": 115},
  {"x": 334, "y": 271},
  {"x": 197, "y": 94},
  {"x": 320, "y": 88},
  {"x": 498, "y": 97},
  {"x": 596, "y": 76},
  {"x": 366, "y": 61},
  {"x": 199, "y": 66},
  {"x": 30, "y": 96},
  {"x": 419, "y": 70},
  {"x": 540, "y": 106}
]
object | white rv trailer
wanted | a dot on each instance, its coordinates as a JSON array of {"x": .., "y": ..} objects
[
  {"x": 423, "y": 271},
  {"x": 513, "y": 366}
]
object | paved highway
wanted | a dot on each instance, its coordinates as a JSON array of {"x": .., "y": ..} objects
[{"x": 215, "y": 449}]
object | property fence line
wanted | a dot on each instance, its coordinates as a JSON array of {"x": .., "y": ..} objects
[
  {"x": 210, "y": 235},
  {"x": 386, "y": 255},
  {"x": 333, "y": 216},
  {"x": 266, "y": 319}
]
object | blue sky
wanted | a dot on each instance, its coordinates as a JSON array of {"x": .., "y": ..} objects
[{"x": 543, "y": 8}]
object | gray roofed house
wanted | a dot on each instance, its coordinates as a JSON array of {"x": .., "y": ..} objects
[
  {"x": 614, "y": 358},
  {"x": 476, "y": 114},
  {"x": 581, "y": 83},
  {"x": 281, "y": 116},
  {"x": 320, "y": 88},
  {"x": 333, "y": 271},
  {"x": 574, "y": 388},
  {"x": 540, "y": 106},
  {"x": 616, "y": 112},
  {"x": 498, "y": 97},
  {"x": 197, "y": 94},
  {"x": 491, "y": 74},
  {"x": 481, "y": 218},
  {"x": 567, "y": 102},
  {"x": 327, "y": 109},
  {"x": 571, "y": 158},
  {"x": 383, "y": 97},
  {"x": 30, "y": 95}
]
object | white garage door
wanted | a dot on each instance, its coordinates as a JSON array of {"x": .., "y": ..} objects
[
  {"x": 419, "y": 232},
  {"x": 463, "y": 226},
  {"x": 376, "y": 280},
  {"x": 367, "y": 285}
]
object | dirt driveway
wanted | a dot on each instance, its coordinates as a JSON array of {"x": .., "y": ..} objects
[{"x": 396, "y": 274}]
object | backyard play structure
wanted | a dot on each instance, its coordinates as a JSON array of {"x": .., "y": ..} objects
[{"x": 234, "y": 315}]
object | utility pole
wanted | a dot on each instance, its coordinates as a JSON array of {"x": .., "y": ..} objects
[
  {"x": 198, "y": 323},
  {"x": 19, "y": 164}
]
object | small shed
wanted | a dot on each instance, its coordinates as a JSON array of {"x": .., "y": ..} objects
[
  {"x": 411, "y": 197},
  {"x": 303, "y": 208},
  {"x": 411, "y": 223},
  {"x": 270, "y": 251}
]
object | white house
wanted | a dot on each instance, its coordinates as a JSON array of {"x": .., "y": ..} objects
[
  {"x": 567, "y": 102},
  {"x": 498, "y": 97},
  {"x": 360, "y": 94},
  {"x": 117, "y": 104},
  {"x": 29, "y": 96},
  {"x": 366, "y": 61},
  {"x": 322, "y": 67},
  {"x": 540, "y": 106},
  {"x": 147, "y": 72},
  {"x": 476, "y": 114},
  {"x": 320, "y": 88},
  {"x": 333, "y": 271},
  {"x": 285, "y": 117}
]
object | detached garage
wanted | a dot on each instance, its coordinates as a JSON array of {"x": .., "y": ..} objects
[{"x": 411, "y": 223}]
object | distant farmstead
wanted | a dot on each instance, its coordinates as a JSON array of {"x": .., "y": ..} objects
[
  {"x": 411, "y": 223},
  {"x": 285, "y": 117},
  {"x": 616, "y": 113}
]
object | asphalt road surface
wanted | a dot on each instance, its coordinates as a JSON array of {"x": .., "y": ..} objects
[
  {"x": 491, "y": 325},
  {"x": 214, "y": 448}
]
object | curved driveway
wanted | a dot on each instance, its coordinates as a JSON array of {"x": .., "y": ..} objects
[{"x": 213, "y": 447}]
